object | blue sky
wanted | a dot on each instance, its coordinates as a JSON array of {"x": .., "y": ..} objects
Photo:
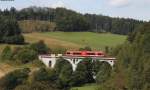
[{"x": 137, "y": 9}]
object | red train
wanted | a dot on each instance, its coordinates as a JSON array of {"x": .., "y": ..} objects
[{"x": 86, "y": 53}]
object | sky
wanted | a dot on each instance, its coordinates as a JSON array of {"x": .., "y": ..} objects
[{"x": 136, "y": 9}]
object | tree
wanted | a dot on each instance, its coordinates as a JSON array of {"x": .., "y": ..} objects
[
  {"x": 64, "y": 71},
  {"x": 83, "y": 73},
  {"x": 73, "y": 22},
  {"x": 12, "y": 79},
  {"x": 78, "y": 77},
  {"x": 26, "y": 55},
  {"x": 104, "y": 73},
  {"x": 38, "y": 75},
  {"x": 60, "y": 63},
  {"x": 64, "y": 76},
  {"x": 40, "y": 47},
  {"x": 10, "y": 31},
  {"x": 46, "y": 79},
  {"x": 134, "y": 59}
]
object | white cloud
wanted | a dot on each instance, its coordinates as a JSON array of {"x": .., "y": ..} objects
[
  {"x": 59, "y": 4},
  {"x": 119, "y": 3}
]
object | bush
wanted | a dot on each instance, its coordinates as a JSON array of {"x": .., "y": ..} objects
[
  {"x": 16, "y": 39},
  {"x": 6, "y": 53},
  {"x": 40, "y": 75},
  {"x": 59, "y": 50},
  {"x": 78, "y": 77},
  {"x": 40, "y": 47},
  {"x": 26, "y": 55},
  {"x": 87, "y": 48},
  {"x": 12, "y": 79},
  {"x": 104, "y": 73}
]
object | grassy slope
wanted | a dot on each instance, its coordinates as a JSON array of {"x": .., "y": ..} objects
[
  {"x": 51, "y": 42},
  {"x": 74, "y": 40},
  {"x": 94, "y": 40}
]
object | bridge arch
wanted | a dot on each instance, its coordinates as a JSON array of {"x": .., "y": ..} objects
[{"x": 51, "y": 60}]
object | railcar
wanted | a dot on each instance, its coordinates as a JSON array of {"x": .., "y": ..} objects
[{"x": 85, "y": 53}]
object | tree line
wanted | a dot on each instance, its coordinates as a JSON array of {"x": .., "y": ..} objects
[
  {"x": 133, "y": 62},
  {"x": 68, "y": 20},
  {"x": 10, "y": 32}
]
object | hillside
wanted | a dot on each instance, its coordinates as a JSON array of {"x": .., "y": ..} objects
[
  {"x": 69, "y": 40},
  {"x": 75, "y": 40}
]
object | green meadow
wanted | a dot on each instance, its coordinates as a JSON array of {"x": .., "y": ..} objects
[{"x": 95, "y": 40}]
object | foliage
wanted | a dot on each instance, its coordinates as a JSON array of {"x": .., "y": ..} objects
[
  {"x": 59, "y": 50},
  {"x": 78, "y": 77},
  {"x": 40, "y": 47},
  {"x": 87, "y": 48},
  {"x": 12, "y": 79},
  {"x": 83, "y": 73},
  {"x": 40, "y": 75},
  {"x": 72, "y": 23},
  {"x": 60, "y": 64},
  {"x": 64, "y": 76},
  {"x": 36, "y": 86},
  {"x": 26, "y": 55},
  {"x": 134, "y": 58},
  {"x": 29, "y": 26},
  {"x": 6, "y": 53},
  {"x": 68, "y": 20},
  {"x": 9, "y": 31},
  {"x": 104, "y": 73}
]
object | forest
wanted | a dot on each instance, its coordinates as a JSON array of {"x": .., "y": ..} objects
[{"x": 69, "y": 20}]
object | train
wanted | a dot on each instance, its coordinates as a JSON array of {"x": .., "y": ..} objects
[{"x": 85, "y": 54}]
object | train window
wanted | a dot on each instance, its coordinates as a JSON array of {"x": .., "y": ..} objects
[
  {"x": 68, "y": 52},
  {"x": 90, "y": 53},
  {"x": 76, "y": 53},
  {"x": 99, "y": 54}
]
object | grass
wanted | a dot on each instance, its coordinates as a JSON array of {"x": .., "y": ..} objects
[
  {"x": 86, "y": 87},
  {"x": 51, "y": 42},
  {"x": 74, "y": 40},
  {"x": 8, "y": 66},
  {"x": 95, "y": 40}
]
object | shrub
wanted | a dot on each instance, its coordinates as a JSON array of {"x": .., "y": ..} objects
[
  {"x": 104, "y": 73},
  {"x": 26, "y": 55},
  {"x": 12, "y": 79},
  {"x": 6, "y": 53},
  {"x": 40, "y": 47},
  {"x": 87, "y": 48}
]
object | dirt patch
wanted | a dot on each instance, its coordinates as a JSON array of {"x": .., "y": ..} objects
[{"x": 4, "y": 69}]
